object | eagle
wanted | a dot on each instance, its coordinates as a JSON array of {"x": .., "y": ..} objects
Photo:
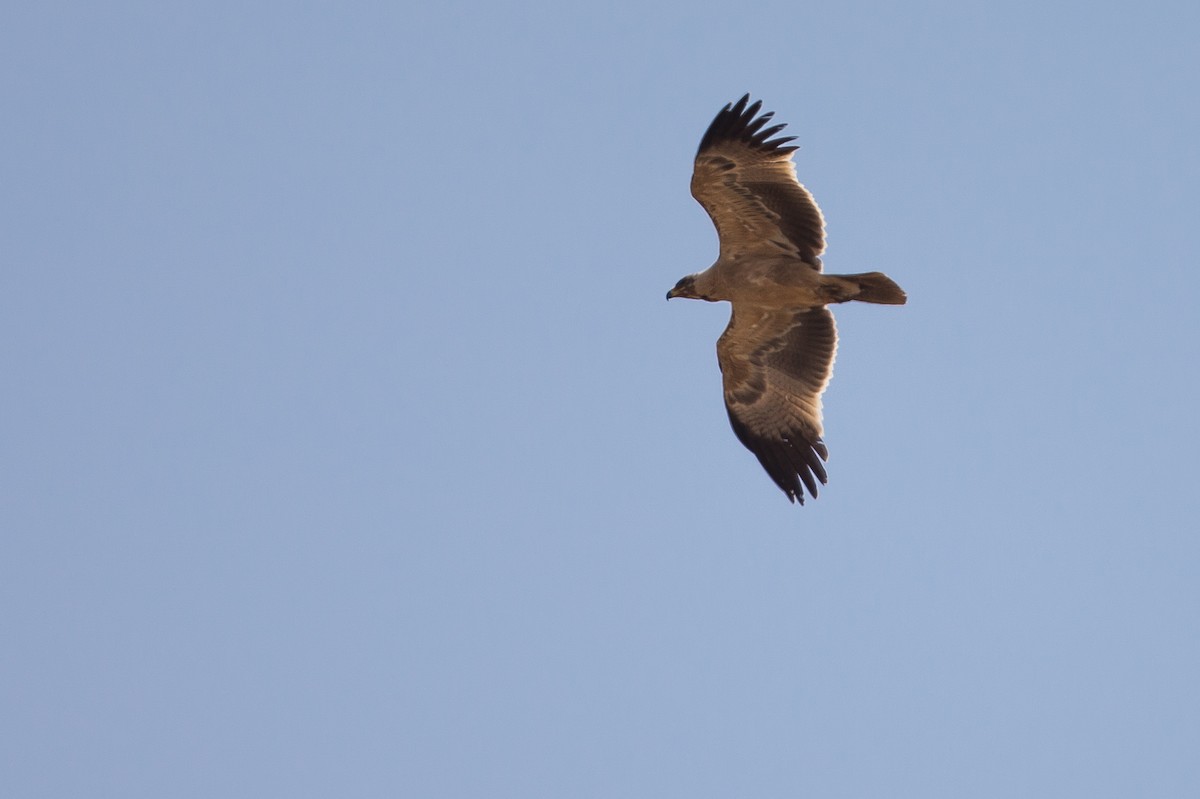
[{"x": 776, "y": 355}]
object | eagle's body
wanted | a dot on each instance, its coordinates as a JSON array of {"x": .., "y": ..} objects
[{"x": 777, "y": 354}]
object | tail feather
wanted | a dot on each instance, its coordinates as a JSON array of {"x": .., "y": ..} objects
[{"x": 868, "y": 287}]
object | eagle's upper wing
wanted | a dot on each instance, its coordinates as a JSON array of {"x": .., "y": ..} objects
[
  {"x": 747, "y": 183},
  {"x": 774, "y": 366}
]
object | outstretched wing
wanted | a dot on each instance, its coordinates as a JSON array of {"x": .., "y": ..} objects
[
  {"x": 747, "y": 182},
  {"x": 775, "y": 365}
]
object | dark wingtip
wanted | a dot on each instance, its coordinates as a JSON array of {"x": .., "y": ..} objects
[
  {"x": 738, "y": 122},
  {"x": 794, "y": 461}
]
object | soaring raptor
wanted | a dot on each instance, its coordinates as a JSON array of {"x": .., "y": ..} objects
[{"x": 776, "y": 356}]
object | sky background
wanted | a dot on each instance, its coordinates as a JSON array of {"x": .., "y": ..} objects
[{"x": 349, "y": 447}]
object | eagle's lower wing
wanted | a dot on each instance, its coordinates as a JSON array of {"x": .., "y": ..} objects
[
  {"x": 747, "y": 183},
  {"x": 775, "y": 365}
]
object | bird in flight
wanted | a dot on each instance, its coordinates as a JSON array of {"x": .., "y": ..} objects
[{"x": 776, "y": 355}]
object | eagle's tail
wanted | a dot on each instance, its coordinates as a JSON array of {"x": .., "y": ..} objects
[{"x": 866, "y": 287}]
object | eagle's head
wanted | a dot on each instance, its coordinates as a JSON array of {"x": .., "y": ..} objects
[{"x": 685, "y": 288}]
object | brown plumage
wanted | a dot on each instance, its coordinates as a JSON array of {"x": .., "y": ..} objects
[{"x": 776, "y": 355}]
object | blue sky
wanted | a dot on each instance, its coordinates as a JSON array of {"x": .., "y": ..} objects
[{"x": 350, "y": 449}]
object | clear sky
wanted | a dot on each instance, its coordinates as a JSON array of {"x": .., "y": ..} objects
[{"x": 350, "y": 449}]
